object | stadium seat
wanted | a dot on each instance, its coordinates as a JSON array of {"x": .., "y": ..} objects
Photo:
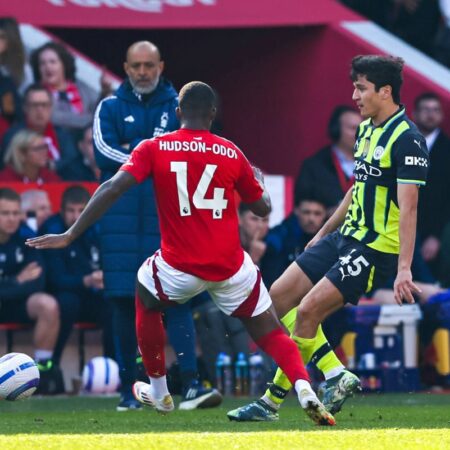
[
  {"x": 10, "y": 328},
  {"x": 82, "y": 327}
]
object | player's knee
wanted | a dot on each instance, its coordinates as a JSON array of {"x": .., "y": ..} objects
[
  {"x": 307, "y": 310},
  {"x": 43, "y": 305}
]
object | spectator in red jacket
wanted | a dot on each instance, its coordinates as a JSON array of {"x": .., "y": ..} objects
[{"x": 26, "y": 160}]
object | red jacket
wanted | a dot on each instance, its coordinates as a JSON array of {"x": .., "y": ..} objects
[{"x": 45, "y": 176}]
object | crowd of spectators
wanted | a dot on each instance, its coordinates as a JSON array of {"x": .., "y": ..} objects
[
  {"x": 46, "y": 135},
  {"x": 425, "y": 24}
]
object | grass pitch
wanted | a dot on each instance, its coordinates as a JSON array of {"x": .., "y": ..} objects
[{"x": 368, "y": 422}]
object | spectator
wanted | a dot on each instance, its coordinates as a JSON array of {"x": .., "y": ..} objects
[
  {"x": 287, "y": 240},
  {"x": 218, "y": 333},
  {"x": 434, "y": 208},
  {"x": 12, "y": 54},
  {"x": 444, "y": 263},
  {"x": 252, "y": 230},
  {"x": 9, "y": 103},
  {"x": 142, "y": 107},
  {"x": 73, "y": 102},
  {"x": 36, "y": 206},
  {"x": 328, "y": 175},
  {"x": 87, "y": 166},
  {"x": 416, "y": 22},
  {"x": 442, "y": 41},
  {"x": 75, "y": 277},
  {"x": 61, "y": 147},
  {"x": 26, "y": 160},
  {"x": 21, "y": 285}
]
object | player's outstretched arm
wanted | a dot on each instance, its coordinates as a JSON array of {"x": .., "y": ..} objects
[
  {"x": 101, "y": 201},
  {"x": 336, "y": 219},
  {"x": 404, "y": 287}
]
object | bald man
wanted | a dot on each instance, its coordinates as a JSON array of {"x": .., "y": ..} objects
[{"x": 143, "y": 107}]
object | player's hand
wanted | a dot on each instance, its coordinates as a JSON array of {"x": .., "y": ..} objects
[
  {"x": 404, "y": 287},
  {"x": 49, "y": 241},
  {"x": 29, "y": 273}
]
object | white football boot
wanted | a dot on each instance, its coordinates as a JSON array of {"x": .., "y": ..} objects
[{"x": 142, "y": 393}]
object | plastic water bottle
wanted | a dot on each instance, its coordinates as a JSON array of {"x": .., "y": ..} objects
[
  {"x": 241, "y": 374},
  {"x": 257, "y": 383},
  {"x": 227, "y": 375}
]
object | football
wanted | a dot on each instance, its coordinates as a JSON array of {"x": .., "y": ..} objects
[
  {"x": 101, "y": 376},
  {"x": 19, "y": 376}
]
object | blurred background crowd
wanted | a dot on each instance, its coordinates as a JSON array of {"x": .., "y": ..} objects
[{"x": 46, "y": 139}]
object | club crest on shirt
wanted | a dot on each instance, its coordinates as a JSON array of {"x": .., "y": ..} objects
[{"x": 378, "y": 152}]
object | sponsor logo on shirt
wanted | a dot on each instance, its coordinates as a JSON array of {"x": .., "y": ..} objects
[
  {"x": 416, "y": 161},
  {"x": 363, "y": 170}
]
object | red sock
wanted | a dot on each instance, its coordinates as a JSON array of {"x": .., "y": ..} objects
[
  {"x": 285, "y": 353},
  {"x": 151, "y": 339}
]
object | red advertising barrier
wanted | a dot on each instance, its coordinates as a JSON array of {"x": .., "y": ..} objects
[{"x": 54, "y": 190}]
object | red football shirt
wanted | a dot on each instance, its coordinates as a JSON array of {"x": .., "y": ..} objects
[{"x": 196, "y": 174}]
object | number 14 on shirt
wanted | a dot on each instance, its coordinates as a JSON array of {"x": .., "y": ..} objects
[{"x": 216, "y": 204}]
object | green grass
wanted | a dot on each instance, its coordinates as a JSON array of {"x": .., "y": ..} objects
[{"x": 367, "y": 422}]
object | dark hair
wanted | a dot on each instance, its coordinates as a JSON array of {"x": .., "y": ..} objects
[
  {"x": 310, "y": 197},
  {"x": 334, "y": 123},
  {"x": 9, "y": 194},
  {"x": 64, "y": 55},
  {"x": 14, "y": 56},
  {"x": 75, "y": 195},
  {"x": 197, "y": 98},
  {"x": 36, "y": 87},
  {"x": 381, "y": 71},
  {"x": 243, "y": 208},
  {"x": 424, "y": 97}
]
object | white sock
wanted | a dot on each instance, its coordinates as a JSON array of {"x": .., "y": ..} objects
[
  {"x": 42, "y": 355},
  {"x": 270, "y": 402},
  {"x": 333, "y": 372},
  {"x": 302, "y": 384},
  {"x": 158, "y": 387}
]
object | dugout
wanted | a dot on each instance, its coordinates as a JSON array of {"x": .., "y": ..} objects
[{"x": 279, "y": 67}]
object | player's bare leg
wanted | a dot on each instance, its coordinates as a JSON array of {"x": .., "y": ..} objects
[
  {"x": 318, "y": 304},
  {"x": 265, "y": 329},
  {"x": 288, "y": 290}
]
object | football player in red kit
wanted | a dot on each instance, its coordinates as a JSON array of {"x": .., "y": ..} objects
[{"x": 196, "y": 174}]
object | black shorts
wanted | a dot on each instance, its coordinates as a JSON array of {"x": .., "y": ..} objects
[
  {"x": 14, "y": 311},
  {"x": 353, "y": 267}
]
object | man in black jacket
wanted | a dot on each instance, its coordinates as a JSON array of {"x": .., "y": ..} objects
[
  {"x": 434, "y": 207},
  {"x": 328, "y": 174},
  {"x": 286, "y": 241},
  {"x": 74, "y": 274},
  {"x": 21, "y": 285}
]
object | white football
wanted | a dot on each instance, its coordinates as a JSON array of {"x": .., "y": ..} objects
[
  {"x": 19, "y": 376},
  {"x": 101, "y": 376}
]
